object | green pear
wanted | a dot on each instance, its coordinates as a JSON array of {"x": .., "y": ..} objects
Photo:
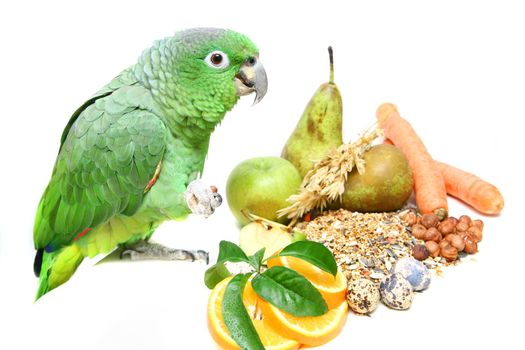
[
  {"x": 385, "y": 185},
  {"x": 320, "y": 127}
]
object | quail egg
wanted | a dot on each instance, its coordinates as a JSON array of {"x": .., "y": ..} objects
[
  {"x": 396, "y": 292},
  {"x": 363, "y": 296},
  {"x": 414, "y": 272}
]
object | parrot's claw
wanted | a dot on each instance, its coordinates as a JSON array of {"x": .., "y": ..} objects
[
  {"x": 153, "y": 251},
  {"x": 202, "y": 199}
]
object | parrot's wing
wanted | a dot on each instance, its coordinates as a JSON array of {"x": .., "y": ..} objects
[
  {"x": 125, "y": 78},
  {"x": 108, "y": 157}
]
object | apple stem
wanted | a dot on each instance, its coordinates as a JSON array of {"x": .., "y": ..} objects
[{"x": 253, "y": 217}]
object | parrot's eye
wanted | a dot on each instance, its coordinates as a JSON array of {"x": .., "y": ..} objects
[{"x": 217, "y": 59}]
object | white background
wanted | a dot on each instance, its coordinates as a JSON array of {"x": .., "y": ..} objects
[{"x": 455, "y": 70}]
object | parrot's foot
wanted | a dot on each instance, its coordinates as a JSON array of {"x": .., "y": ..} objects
[
  {"x": 143, "y": 250},
  {"x": 202, "y": 199}
]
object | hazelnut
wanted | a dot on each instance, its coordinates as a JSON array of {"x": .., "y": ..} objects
[
  {"x": 418, "y": 231},
  {"x": 433, "y": 248},
  {"x": 478, "y": 223},
  {"x": 410, "y": 218},
  {"x": 456, "y": 241},
  {"x": 420, "y": 252},
  {"x": 447, "y": 226},
  {"x": 430, "y": 220},
  {"x": 466, "y": 219},
  {"x": 462, "y": 234},
  {"x": 475, "y": 232},
  {"x": 461, "y": 226},
  {"x": 448, "y": 251},
  {"x": 471, "y": 246},
  {"x": 453, "y": 220},
  {"x": 442, "y": 244},
  {"x": 432, "y": 234}
]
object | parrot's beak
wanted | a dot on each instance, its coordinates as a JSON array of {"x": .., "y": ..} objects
[{"x": 252, "y": 77}]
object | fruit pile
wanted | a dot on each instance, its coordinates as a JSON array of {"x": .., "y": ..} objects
[
  {"x": 288, "y": 295},
  {"x": 292, "y": 302},
  {"x": 269, "y": 337}
]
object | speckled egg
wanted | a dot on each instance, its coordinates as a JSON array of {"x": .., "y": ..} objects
[
  {"x": 414, "y": 272},
  {"x": 396, "y": 292},
  {"x": 363, "y": 296}
]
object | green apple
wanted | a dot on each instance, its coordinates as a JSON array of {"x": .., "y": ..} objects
[
  {"x": 257, "y": 235},
  {"x": 261, "y": 187},
  {"x": 271, "y": 236}
]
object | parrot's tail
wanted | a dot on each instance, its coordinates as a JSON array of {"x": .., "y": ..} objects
[
  {"x": 57, "y": 267},
  {"x": 37, "y": 265}
]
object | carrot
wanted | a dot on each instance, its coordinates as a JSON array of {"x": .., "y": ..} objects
[
  {"x": 476, "y": 192},
  {"x": 469, "y": 188},
  {"x": 429, "y": 185},
  {"x": 472, "y": 190}
]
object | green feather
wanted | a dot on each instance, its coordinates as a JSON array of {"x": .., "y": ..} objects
[{"x": 57, "y": 267}]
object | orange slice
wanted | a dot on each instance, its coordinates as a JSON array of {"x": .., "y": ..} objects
[
  {"x": 332, "y": 289},
  {"x": 269, "y": 337},
  {"x": 311, "y": 330}
]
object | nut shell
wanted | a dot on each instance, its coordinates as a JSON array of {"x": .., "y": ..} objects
[
  {"x": 433, "y": 234},
  {"x": 430, "y": 220},
  {"x": 478, "y": 223},
  {"x": 466, "y": 219},
  {"x": 453, "y": 220},
  {"x": 447, "y": 226},
  {"x": 410, "y": 218},
  {"x": 420, "y": 252},
  {"x": 475, "y": 232},
  {"x": 442, "y": 244},
  {"x": 418, "y": 231},
  {"x": 448, "y": 251},
  {"x": 471, "y": 245},
  {"x": 462, "y": 226},
  {"x": 433, "y": 248},
  {"x": 456, "y": 241}
]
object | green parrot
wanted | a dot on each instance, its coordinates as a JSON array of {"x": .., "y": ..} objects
[{"x": 130, "y": 156}]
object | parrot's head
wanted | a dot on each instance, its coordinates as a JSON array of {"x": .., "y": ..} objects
[{"x": 203, "y": 71}]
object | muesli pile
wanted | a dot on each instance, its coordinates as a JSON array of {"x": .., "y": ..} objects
[{"x": 368, "y": 244}]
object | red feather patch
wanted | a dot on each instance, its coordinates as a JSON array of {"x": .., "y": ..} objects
[
  {"x": 81, "y": 234},
  {"x": 154, "y": 178}
]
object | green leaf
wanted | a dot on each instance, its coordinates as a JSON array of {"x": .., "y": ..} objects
[
  {"x": 314, "y": 253},
  {"x": 256, "y": 259},
  {"x": 290, "y": 292},
  {"x": 236, "y": 317},
  {"x": 215, "y": 274},
  {"x": 229, "y": 251}
]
